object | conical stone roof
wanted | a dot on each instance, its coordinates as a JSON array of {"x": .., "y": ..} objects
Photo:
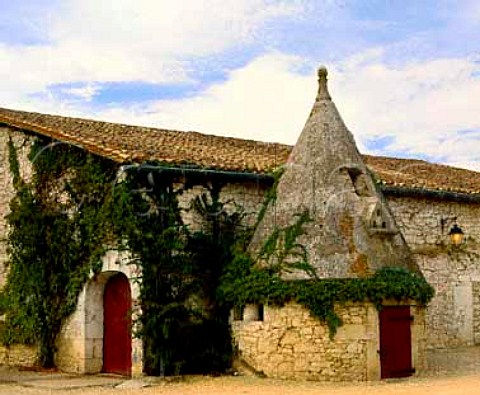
[{"x": 352, "y": 232}]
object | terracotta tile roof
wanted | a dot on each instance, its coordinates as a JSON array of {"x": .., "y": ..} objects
[
  {"x": 420, "y": 174},
  {"x": 127, "y": 144}
]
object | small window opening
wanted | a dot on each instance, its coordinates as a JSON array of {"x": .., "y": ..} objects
[
  {"x": 359, "y": 182},
  {"x": 261, "y": 312},
  {"x": 238, "y": 313},
  {"x": 253, "y": 312}
]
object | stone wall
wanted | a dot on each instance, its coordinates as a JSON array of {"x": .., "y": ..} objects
[
  {"x": 248, "y": 195},
  {"x": 291, "y": 344},
  {"x": 80, "y": 343},
  {"x": 18, "y": 355},
  {"x": 476, "y": 311},
  {"x": 453, "y": 316},
  {"x": 420, "y": 222},
  {"x": 23, "y": 143}
]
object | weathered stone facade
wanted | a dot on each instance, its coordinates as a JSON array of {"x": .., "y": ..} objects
[
  {"x": 453, "y": 317},
  {"x": 352, "y": 233},
  {"x": 18, "y": 355},
  {"x": 22, "y": 143},
  {"x": 356, "y": 230},
  {"x": 80, "y": 343},
  {"x": 289, "y": 343},
  {"x": 248, "y": 196}
]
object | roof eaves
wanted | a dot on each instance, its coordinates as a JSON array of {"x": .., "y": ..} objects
[
  {"x": 116, "y": 155},
  {"x": 404, "y": 191},
  {"x": 236, "y": 176}
]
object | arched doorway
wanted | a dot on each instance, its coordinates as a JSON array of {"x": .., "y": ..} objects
[{"x": 117, "y": 337}]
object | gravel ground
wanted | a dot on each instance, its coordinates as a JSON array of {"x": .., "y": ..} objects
[
  {"x": 465, "y": 385},
  {"x": 450, "y": 373}
]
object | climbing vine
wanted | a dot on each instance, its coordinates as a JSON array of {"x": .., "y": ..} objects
[
  {"x": 245, "y": 283},
  {"x": 57, "y": 236},
  {"x": 75, "y": 207},
  {"x": 260, "y": 279},
  {"x": 183, "y": 327},
  {"x": 72, "y": 210}
]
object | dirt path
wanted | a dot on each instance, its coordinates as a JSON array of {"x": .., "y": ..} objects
[
  {"x": 465, "y": 385},
  {"x": 450, "y": 373}
]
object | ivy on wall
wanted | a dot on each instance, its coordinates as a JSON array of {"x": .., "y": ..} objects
[
  {"x": 58, "y": 230},
  {"x": 260, "y": 279},
  {"x": 246, "y": 283},
  {"x": 183, "y": 327},
  {"x": 75, "y": 207},
  {"x": 72, "y": 211}
]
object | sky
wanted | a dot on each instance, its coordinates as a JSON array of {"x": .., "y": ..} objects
[{"x": 405, "y": 75}]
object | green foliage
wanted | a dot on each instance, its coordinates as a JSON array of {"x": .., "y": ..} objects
[
  {"x": 13, "y": 163},
  {"x": 57, "y": 236},
  {"x": 387, "y": 283},
  {"x": 73, "y": 209},
  {"x": 183, "y": 328},
  {"x": 155, "y": 235},
  {"x": 281, "y": 251},
  {"x": 260, "y": 279},
  {"x": 244, "y": 283},
  {"x": 270, "y": 196}
]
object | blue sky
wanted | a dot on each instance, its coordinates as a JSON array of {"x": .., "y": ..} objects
[{"x": 404, "y": 74}]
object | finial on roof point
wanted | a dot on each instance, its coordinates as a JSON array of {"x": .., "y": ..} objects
[
  {"x": 322, "y": 84},
  {"x": 322, "y": 71}
]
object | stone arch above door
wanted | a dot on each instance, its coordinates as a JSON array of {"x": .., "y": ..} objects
[
  {"x": 94, "y": 320},
  {"x": 80, "y": 344}
]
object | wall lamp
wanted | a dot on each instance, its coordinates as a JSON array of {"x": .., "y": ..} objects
[{"x": 456, "y": 233}]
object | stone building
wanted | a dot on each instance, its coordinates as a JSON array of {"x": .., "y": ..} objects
[{"x": 368, "y": 211}]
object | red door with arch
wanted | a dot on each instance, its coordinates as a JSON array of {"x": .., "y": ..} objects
[{"x": 117, "y": 338}]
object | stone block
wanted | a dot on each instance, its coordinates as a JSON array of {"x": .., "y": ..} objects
[
  {"x": 93, "y": 365},
  {"x": 290, "y": 338},
  {"x": 352, "y": 331}
]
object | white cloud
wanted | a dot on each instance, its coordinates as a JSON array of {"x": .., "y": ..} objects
[
  {"x": 423, "y": 106},
  {"x": 85, "y": 93},
  {"x": 143, "y": 40},
  {"x": 472, "y": 165},
  {"x": 266, "y": 100},
  {"x": 165, "y": 27}
]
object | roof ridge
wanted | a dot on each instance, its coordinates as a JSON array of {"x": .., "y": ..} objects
[
  {"x": 322, "y": 75},
  {"x": 149, "y": 128},
  {"x": 125, "y": 143}
]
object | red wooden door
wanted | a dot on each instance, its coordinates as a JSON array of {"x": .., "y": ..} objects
[
  {"x": 117, "y": 339},
  {"x": 395, "y": 342}
]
